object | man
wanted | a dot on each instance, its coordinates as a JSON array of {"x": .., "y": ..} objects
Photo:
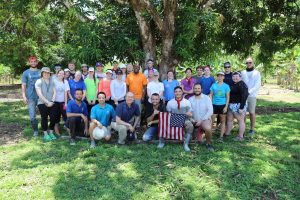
[
  {"x": 136, "y": 83},
  {"x": 99, "y": 73},
  {"x": 57, "y": 68},
  {"x": 252, "y": 79},
  {"x": 129, "y": 68},
  {"x": 84, "y": 71},
  {"x": 228, "y": 74},
  {"x": 152, "y": 117},
  {"x": 71, "y": 67},
  {"x": 114, "y": 69},
  {"x": 202, "y": 112},
  {"x": 77, "y": 120},
  {"x": 101, "y": 116},
  {"x": 127, "y": 117},
  {"x": 199, "y": 74},
  {"x": 149, "y": 66},
  {"x": 30, "y": 97},
  {"x": 180, "y": 105}
]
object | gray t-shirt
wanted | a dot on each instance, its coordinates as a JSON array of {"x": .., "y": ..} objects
[
  {"x": 29, "y": 77},
  {"x": 47, "y": 89}
]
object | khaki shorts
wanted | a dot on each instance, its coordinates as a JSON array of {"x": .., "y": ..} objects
[{"x": 251, "y": 104}]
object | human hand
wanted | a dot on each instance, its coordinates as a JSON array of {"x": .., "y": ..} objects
[{"x": 25, "y": 100}]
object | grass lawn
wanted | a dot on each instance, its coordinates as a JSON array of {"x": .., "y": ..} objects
[{"x": 266, "y": 167}]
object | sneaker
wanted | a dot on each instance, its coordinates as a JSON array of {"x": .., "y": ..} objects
[
  {"x": 93, "y": 144},
  {"x": 238, "y": 139},
  {"x": 251, "y": 133},
  {"x": 47, "y": 138},
  {"x": 209, "y": 147},
  {"x": 160, "y": 145},
  {"x": 52, "y": 136},
  {"x": 72, "y": 142},
  {"x": 121, "y": 142},
  {"x": 186, "y": 147},
  {"x": 35, "y": 133}
]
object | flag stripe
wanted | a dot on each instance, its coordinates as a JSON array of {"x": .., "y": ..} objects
[{"x": 171, "y": 132}]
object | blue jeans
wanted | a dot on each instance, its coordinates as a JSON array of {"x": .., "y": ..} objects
[
  {"x": 150, "y": 133},
  {"x": 32, "y": 103}
]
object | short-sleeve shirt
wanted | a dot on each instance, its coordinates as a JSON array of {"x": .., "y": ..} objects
[
  {"x": 47, "y": 89},
  {"x": 228, "y": 79},
  {"x": 150, "y": 110},
  {"x": 169, "y": 89},
  {"x": 91, "y": 88},
  {"x": 100, "y": 76},
  {"x": 74, "y": 85},
  {"x": 188, "y": 86},
  {"x": 126, "y": 113},
  {"x": 146, "y": 72},
  {"x": 103, "y": 114},
  {"x": 219, "y": 93},
  {"x": 185, "y": 106},
  {"x": 155, "y": 87},
  {"x": 29, "y": 77},
  {"x": 61, "y": 88},
  {"x": 136, "y": 82},
  {"x": 104, "y": 86},
  {"x": 73, "y": 107},
  {"x": 206, "y": 83}
]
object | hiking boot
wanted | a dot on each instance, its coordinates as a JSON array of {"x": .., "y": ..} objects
[
  {"x": 52, "y": 136},
  {"x": 186, "y": 143},
  {"x": 72, "y": 142},
  {"x": 93, "y": 144},
  {"x": 251, "y": 133},
  {"x": 209, "y": 147},
  {"x": 47, "y": 138},
  {"x": 35, "y": 133},
  {"x": 161, "y": 143}
]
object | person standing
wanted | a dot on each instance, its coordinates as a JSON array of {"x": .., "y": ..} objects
[
  {"x": 124, "y": 73},
  {"x": 169, "y": 84},
  {"x": 104, "y": 86},
  {"x": 129, "y": 68},
  {"x": 91, "y": 84},
  {"x": 46, "y": 92},
  {"x": 188, "y": 83},
  {"x": 206, "y": 81},
  {"x": 199, "y": 74},
  {"x": 29, "y": 77},
  {"x": 155, "y": 86},
  {"x": 228, "y": 74},
  {"x": 77, "y": 83},
  {"x": 149, "y": 66},
  {"x": 118, "y": 89},
  {"x": 252, "y": 78},
  {"x": 202, "y": 111},
  {"x": 99, "y": 71},
  {"x": 84, "y": 71},
  {"x": 72, "y": 68}
]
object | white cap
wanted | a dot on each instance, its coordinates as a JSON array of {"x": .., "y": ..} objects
[
  {"x": 91, "y": 69},
  {"x": 122, "y": 66},
  {"x": 66, "y": 70},
  {"x": 108, "y": 71}
]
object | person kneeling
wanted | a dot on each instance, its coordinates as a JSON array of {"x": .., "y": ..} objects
[
  {"x": 77, "y": 120},
  {"x": 101, "y": 115},
  {"x": 152, "y": 117}
]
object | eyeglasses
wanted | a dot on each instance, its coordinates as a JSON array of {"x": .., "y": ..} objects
[{"x": 248, "y": 63}]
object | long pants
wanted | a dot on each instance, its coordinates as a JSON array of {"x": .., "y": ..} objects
[
  {"x": 45, "y": 113},
  {"x": 76, "y": 126},
  {"x": 32, "y": 103},
  {"x": 60, "y": 112}
]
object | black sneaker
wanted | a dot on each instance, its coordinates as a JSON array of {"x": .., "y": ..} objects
[{"x": 209, "y": 147}]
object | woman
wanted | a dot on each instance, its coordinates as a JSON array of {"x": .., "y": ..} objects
[
  {"x": 46, "y": 92},
  {"x": 67, "y": 74},
  {"x": 206, "y": 81},
  {"x": 118, "y": 89},
  {"x": 219, "y": 93},
  {"x": 104, "y": 86},
  {"x": 155, "y": 87},
  {"x": 91, "y": 83},
  {"x": 123, "y": 69},
  {"x": 169, "y": 84},
  {"x": 188, "y": 83},
  {"x": 77, "y": 83},
  {"x": 61, "y": 99},
  {"x": 99, "y": 71},
  {"x": 237, "y": 105}
]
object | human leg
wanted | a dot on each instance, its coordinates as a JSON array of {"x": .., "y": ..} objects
[
  {"x": 150, "y": 133},
  {"x": 32, "y": 104}
]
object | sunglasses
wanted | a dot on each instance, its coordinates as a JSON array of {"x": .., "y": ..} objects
[
  {"x": 248, "y": 63},
  {"x": 227, "y": 67}
]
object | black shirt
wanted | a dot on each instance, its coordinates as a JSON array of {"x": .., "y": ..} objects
[
  {"x": 239, "y": 93},
  {"x": 150, "y": 110},
  {"x": 228, "y": 79}
]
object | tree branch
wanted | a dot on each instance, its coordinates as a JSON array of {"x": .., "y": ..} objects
[
  {"x": 153, "y": 12},
  {"x": 6, "y": 22},
  {"x": 68, "y": 5}
]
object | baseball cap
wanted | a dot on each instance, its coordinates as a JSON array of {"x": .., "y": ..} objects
[
  {"x": 46, "y": 69},
  {"x": 119, "y": 71},
  {"x": 122, "y": 66},
  {"x": 66, "y": 70},
  {"x": 108, "y": 71},
  {"x": 84, "y": 65},
  {"x": 220, "y": 73},
  {"x": 99, "y": 64},
  {"x": 91, "y": 69},
  {"x": 57, "y": 66},
  {"x": 227, "y": 64}
]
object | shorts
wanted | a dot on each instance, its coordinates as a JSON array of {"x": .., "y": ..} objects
[
  {"x": 251, "y": 101},
  {"x": 218, "y": 109},
  {"x": 234, "y": 107}
]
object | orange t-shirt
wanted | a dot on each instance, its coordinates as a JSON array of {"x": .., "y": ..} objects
[
  {"x": 104, "y": 86},
  {"x": 136, "y": 83}
]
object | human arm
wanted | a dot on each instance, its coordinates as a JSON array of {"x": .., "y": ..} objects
[
  {"x": 24, "y": 93},
  {"x": 257, "y": 84},
  {"x": 210, "y": 109}
]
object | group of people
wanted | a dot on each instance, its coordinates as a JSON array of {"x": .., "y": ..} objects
[{"x": 120, "y": 98}]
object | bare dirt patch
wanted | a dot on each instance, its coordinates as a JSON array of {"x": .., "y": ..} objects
[{"x": 10, "y": 133}]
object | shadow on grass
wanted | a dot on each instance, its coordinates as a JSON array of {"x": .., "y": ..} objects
[{"x": 276, "y": 104}]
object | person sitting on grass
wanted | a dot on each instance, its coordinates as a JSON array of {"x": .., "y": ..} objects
[
  {"x": 77, "y": 120},
  {"x": 151, "y": 116},
  {"x": 202, "y": 110},
  {"x": 127, "y": 117},
  {"x": 45, "y": 89},
  {"x": 101, "y": 116},
  {"x": 237, "y": 105},
  {"x": 219, "y": 93}
]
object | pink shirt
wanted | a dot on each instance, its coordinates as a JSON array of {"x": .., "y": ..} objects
[{"x": 104, "y": 86}]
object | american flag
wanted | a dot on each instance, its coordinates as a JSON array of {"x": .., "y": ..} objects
[{"x": 171, "y": 126}]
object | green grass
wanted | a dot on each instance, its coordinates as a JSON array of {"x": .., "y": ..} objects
[{"x": 266, "y": 167}]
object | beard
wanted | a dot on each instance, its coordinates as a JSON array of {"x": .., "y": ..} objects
[
  {"x": 78, "y": 99},
  {"x": 197, "y": 94}
]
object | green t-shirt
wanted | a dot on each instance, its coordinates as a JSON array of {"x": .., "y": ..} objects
[{"x": 91, "y": 88}]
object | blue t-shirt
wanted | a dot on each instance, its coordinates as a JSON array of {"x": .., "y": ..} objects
[
  {"x": 72, "y": 107},
  {"x": 206, "y": 83},
  {"x": 169, "y": 89},
  {"x": 103, "y": 115},
  {"x": 76, "y": 85},
  {"x": 219, "y": 93},
  {"x": 125, "y": 112},
  {"x": 29, "y": 77}
]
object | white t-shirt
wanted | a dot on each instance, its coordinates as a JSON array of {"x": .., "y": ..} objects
[
  {"x": 61, "y": 88},
  {"x": 202, "y": 108},
  {"x": 185, "y": 106},
  {"x": 117, "y": 89},
  {"x": 100, "y": 75},
  {"x": 155, "y": 87},
  {"x": 253, "y": 81}
]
